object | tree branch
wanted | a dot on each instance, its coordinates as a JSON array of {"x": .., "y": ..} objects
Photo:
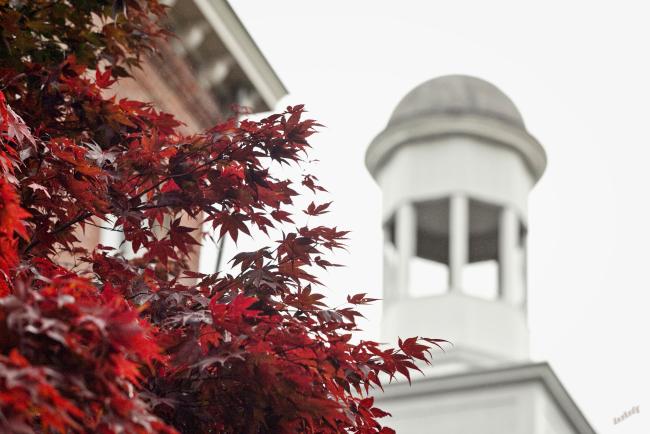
[{"x": 58, "y": 229}]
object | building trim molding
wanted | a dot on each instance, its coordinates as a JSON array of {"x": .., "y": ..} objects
[
  {"x": 493, "y": 378},
  {"x": 239, "y": 43},
  {"x": 408, "y": 132}
]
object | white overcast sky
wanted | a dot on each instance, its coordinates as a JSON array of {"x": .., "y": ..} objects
[{"x": 579, "y": 71}]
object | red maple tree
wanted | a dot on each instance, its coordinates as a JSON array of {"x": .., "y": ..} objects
[{"x": 127, "y": 345}]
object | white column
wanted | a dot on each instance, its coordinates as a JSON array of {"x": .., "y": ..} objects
[
  {"x": 508, "y": 260},
  {"x": 524, "y": 273},
  {"x": 458, "y": 240},
  {"x": 405, "y": 240},
  {"x": 390, "y": 266}
]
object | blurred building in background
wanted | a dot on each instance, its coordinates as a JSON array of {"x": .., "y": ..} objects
[
  {"x": 211, "y": 65},
  {"x": 455, "y": 165}
]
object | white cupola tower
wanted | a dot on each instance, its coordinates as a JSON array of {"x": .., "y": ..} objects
[{"x": 455, "y": 165}]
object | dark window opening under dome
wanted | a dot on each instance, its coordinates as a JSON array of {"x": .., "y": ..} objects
[{"x": 429, "y": 267}]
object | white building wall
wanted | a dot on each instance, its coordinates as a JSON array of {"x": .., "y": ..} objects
[
  {"x": 512, "y": 408},
  {"x": 495, "y": 330}
]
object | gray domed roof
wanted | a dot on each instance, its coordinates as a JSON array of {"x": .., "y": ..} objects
[{"x": 457, "y": 95}]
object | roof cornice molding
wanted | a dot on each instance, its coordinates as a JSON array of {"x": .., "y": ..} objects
[
  {"x": 239, "y": 43},
  {"x": 413, "y": 130},
  {"x": 500, "y": 377}
]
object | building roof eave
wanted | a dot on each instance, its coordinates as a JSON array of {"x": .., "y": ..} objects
[
  {"x": 498, "y": 377},
  {"x": 243, "y": 48},
  {"x": 414, "y": 130}
]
